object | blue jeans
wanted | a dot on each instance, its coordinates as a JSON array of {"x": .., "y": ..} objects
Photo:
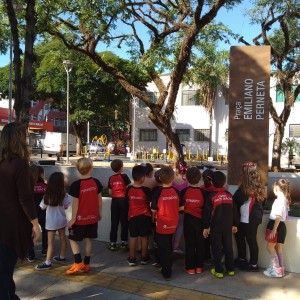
[{"x": 8, "y": 260}]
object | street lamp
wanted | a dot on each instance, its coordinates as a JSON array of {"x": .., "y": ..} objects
[
  {"x": 133, "y": 127},
  {"x": 68, "y": 67}
]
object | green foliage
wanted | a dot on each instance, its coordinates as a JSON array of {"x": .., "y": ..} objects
[
  {"x": 94, "y": 94},
  {"x": 291, "y": 146},
  {"x": 4, "y": 80}
]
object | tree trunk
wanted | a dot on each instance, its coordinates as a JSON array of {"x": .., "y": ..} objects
[
  {"x": 164, "y": 125},
  {"x": 22, "y": 83},
  {"x": 29, "y": 59},
  {"x": 277, "y": 144},
  {"x": 79, "y": 132}
]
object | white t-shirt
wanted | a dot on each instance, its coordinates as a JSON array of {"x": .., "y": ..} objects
[
  {"x": 56, "y": 215},
  {"x": 244, "y": 210},
  {"x": 279, "y": 207}
]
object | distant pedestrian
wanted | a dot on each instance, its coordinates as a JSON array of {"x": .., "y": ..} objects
[
  {"x": 248, "y": 199},
  {"x": 117, "y": 184},
  {"x": 86, "y": 212},
  {"x": 39, "y": 191},
  {"x": 55, "y": 202},
  {"x": 19, "y": 227},
  {"x": 166, "y": 203},
  {"x": 276, "y": 229},
  {"x": 139, "y": 215},
  {"x": 220, "y": 218}
]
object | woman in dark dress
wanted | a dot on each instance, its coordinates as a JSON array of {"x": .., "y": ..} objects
[{"x": 19, "y": 226}]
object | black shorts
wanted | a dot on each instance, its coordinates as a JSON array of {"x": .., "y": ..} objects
[
  {"x": 140, "y": 226},
  {"x": 80, "y": 232},
  {"x": 281, "y": 230}
]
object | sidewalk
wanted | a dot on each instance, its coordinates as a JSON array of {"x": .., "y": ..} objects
[{"x": 112, "y": 278}]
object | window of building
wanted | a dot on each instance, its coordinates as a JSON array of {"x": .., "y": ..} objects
[
  {"x": 190, "y": 97},
  {"x": 152, "y": 95},
  {"x": 148, "y": 135},
  {"x": 280, "y": 96},
  {"x": 201, "y": 135},
  {"x": 183, "y": 134},
  {"x": 294, "y": 130}
]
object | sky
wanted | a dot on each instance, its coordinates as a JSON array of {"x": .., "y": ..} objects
[{"x": 235, "y": 19}]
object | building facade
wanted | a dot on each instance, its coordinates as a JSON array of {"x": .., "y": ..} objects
[
  {"x": 192, "y": 122},
  {"x": 42, "y": 118}
]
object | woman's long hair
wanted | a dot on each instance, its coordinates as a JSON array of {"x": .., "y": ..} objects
[
  {"x": 13, "y": 142},
  {"x": 251, "y": 183},
  {"x": 55, "y": 191}
]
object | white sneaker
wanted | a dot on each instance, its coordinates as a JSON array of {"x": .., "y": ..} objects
[{"x": 273, "y": 272}]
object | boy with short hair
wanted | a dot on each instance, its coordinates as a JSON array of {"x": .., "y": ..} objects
[
  {"x": 166, "y": 202},
  {"x": 117, "y": 184},
  {"x": 86, "y": 212},
  {"x": 139, "y": 215},
  {"x": 220, "y": 219},
  {"x": 193, "y": 223}
]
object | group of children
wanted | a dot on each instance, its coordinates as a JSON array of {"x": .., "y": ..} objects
[{"x": 151, "y": 203}]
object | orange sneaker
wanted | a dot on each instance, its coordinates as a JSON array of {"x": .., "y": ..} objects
[
  {"x": 76, "y": 268},
  {"x": 87, "y": 268}
]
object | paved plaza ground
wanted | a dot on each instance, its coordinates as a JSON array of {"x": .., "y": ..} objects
[{"x": 112, "y": 278}]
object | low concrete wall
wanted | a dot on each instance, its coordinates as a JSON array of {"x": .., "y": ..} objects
[
  {"x": 104, "y": 172},
  {"x": 71, "y": 173}
]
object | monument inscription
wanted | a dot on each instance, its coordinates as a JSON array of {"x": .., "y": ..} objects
[{"x": 248, "y": 137}]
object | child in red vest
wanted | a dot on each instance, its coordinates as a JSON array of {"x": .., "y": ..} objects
[
  {"x": 117, "y": 184},
  {"x": 139, "y": 215},
  {"x": 166, "y": 202},
  {"x": 40, "y": 186},
  {"x": 86, "y": 212},
  {"x": 193, "y": 224}
]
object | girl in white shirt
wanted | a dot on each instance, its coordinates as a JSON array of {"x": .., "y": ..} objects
[
  {"x": 276, "y": 229},
  {"x": 55, "y": 201}
]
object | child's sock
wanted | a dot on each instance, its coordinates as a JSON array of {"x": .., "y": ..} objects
[
  {"x": 274, "y": 260},
  {"x": 77, "y": 258},
  {"x": 48, "y": 262},
  {"x": 280, "y": 259},
  {"x": 87, "y": 260}
]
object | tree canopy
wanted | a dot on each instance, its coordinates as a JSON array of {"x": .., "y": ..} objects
[
  {"x": 160, "y": 36},
  {"x": 94, "y": 94}
]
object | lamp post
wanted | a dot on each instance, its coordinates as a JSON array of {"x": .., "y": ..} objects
[
  {"x": 68, "y": 67},
  {"x": 133, "y": 128}
]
